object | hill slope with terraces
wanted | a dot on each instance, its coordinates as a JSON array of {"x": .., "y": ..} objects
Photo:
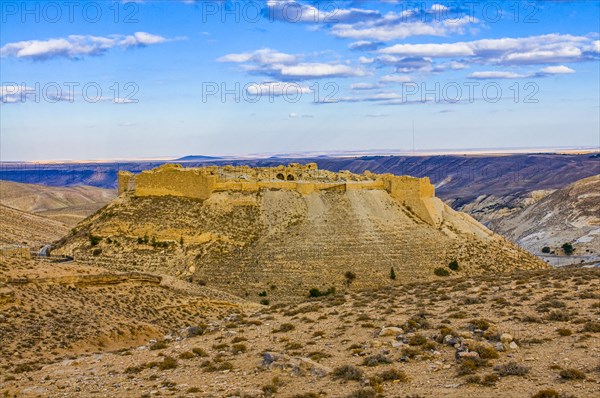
[{"x": 281, "y": 241}]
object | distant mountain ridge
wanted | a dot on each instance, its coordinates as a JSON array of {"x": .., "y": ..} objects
[
  {"x": 568, "y": 215},
  {"x": 68, "y": 205},
  {"x": 459, "y": 180}
]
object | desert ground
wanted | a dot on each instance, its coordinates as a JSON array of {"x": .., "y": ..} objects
[{"x": 505, "y": 335}]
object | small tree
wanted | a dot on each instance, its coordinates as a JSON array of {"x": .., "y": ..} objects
[
  {"x": 545, "y": 249},
  {"x": 350, "y": 277},
  {"x": 441, "y": 271},
  {"x": 392, "y": 274},
  {"x": 94, "y": 240},
  {"x": 568, "y": 248},
  {"x": 453, "y": 265}
]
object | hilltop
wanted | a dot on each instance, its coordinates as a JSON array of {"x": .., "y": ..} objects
[{"x": 275, "y": 233}]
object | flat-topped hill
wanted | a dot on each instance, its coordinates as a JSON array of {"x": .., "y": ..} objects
[{"x": 250, "y": 232}]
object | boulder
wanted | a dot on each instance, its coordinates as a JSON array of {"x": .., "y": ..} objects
[
  {"x": 390, "y": 331},
  {"x": 506, "y": 338}
]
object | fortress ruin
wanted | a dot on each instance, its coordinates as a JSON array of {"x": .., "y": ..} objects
[{"x": 416, "y": 194}]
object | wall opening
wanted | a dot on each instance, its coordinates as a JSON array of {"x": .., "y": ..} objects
[
  {"x": 280, "y": 176},
  {"x": 291, "y": 177}
]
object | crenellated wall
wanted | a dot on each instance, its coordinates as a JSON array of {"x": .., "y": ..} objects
[{"x": 417, "y": 194}]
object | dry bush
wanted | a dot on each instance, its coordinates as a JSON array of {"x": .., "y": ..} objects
[{"x": 347, "y": 372}]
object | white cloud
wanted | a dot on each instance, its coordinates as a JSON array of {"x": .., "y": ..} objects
[
  {"x": 296, "y": 12},
  {"x": 557, "y": 70},
  {"x": 284, "y": 66},
  {"x": 438, "y": 8},
  {"x": 395, "y": 79},
  {"x": 11, "y": 94},
  {"x": 496, "y": 75},
  {"x": 527, "y": 50},
  {"x": 365, "y": 45},
  {"x": 363, "y": 86},
  {"x": 277, "y": 89},
  {"x": 545, "y": 72},
  {"x": 430, "y": 50},
  {"x": 263, "y": 56},
  {"x": 394, "y": 26},
  {"x": 77, "y": 46},
  {"x": 319, "y": 70}
]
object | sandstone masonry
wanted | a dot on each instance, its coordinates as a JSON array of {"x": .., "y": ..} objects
[{"x": 416, "y": 194}]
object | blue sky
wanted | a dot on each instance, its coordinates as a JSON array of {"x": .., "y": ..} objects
[{"x": 268, "y": 76}]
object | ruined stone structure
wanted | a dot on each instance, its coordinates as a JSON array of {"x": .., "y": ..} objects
[{"x": 199, "y": 183}]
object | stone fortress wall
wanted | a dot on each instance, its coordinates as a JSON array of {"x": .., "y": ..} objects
[{"x": 417, "y": 194}]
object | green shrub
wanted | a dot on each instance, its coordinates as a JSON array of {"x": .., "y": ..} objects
[
  {"x": 545, "y": 249},
  {"x": 453, "y": 265},
  {"x": 265, "y": 301},
  {"x": 392, "y": 274},
  {"x": 568, "y": 248},
  {"x": 441, "y": 271},
  {"x": 94, "y": 240}
]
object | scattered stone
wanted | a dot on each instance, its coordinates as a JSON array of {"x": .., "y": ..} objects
[
  {"x": 390, "y": 331},
  {"x": 506, "y": 338},
  {"x": 467, "y": 354}
]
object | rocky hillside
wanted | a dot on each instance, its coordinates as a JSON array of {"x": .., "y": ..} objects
[
  {"x": 52, "y": 310},
  {"x": 21, "y": 228},
  {"x": 69, "y": 205},
  {"x": 276, "y": 244},
  {"x": 528, "y": 334},
  {"x": 567, "y": 215}
]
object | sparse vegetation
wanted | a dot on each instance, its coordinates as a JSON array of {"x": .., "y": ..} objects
[
  {"x": 568, "y": 248},
  {"x": 350, "y": 277},
  {"x": 94, "y": 240},
  {"x": 572, "y": 374},
  {"x": 348, "y": 372},
  {"x": 441, "y": 272},
  {"x": 512, "y": 369},
  {"x": 314, "y": 292},
  {"x": 453, "y": 265}
]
